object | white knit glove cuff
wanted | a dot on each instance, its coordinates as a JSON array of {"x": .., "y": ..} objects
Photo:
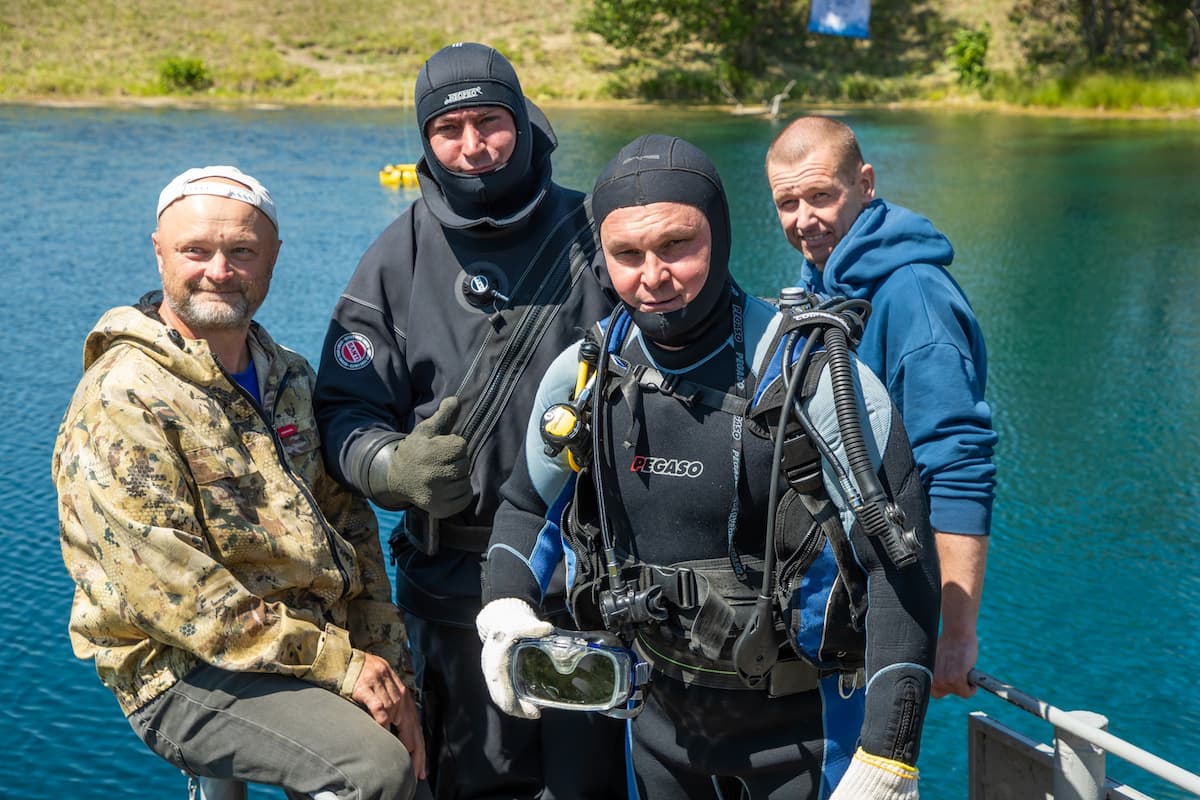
[
  {"x": 500, "y": 624},
  {"x": 875, "y": 778}
]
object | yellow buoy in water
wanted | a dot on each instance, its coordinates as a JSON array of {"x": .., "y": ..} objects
[{"x": 399, "y": 175}]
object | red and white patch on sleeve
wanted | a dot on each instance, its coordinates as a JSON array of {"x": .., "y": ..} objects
[{"x": 353, "y": 351}]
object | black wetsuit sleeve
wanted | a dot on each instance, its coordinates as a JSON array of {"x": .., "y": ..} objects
[
  {"x": 364, "y": 392},
  {"x": 902, "y": 616},
  {"x": 903, "y": 603}
]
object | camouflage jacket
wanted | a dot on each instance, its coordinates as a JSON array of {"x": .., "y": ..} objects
[{"x": 198, "y": 528}]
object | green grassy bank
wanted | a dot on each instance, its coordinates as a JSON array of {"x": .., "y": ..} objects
[
  {"x": 298, "y": 51},
  {"x": 235, "y": 52}
]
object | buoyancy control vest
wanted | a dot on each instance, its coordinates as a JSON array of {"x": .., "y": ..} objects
[{"x": 781, "y": 621}]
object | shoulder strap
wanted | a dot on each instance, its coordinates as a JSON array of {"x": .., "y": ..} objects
[
  {"x": 621, "y": 321},
  {"x": 824, "y": 513},
  {"x": 628, "y": 378},
  {"x": 810, "y": 323}
]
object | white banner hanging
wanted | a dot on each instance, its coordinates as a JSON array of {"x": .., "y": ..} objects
[{"x": 840, "y": 17}]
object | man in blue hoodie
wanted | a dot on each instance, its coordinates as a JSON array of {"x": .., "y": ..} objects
[{"x": 922, "y": 340}]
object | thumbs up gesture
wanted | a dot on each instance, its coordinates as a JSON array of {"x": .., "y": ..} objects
[{"x": 428, "y": 468}]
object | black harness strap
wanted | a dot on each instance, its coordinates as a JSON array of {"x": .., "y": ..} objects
[
  {"x": 824, "y": 513},
  {"x": 713, "y": 622},
  {"x": 700, "y": 590},
  {"x": 648, "y": 379}
]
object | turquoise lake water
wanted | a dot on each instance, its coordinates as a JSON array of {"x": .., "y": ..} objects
[{"x": 1078, "y": 243}]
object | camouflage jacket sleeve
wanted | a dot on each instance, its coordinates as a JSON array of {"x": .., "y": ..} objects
[
  {"x": 375, "y": 623},
  {"x": 140, "y": 555}
]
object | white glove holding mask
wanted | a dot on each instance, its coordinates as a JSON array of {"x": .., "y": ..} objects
[
  {"x": 876, "y": 778},
  {"x": 500, "y": 624}
]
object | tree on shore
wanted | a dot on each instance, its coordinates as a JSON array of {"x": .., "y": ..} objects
[
  {"x": 1160, "y": 35},
  {"x": 696, "y": 46},
  {"x": 733, "y": 36}
]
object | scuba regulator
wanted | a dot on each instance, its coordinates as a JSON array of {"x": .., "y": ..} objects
[
  {"x": 589, "y": 670},
  {"x": 879, "y": 516},
  {"x": 836, "y": 324},
  {"x": 567, "y": 425}
]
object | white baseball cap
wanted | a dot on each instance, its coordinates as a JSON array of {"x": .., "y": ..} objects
[{"x": 192, "y": 182}]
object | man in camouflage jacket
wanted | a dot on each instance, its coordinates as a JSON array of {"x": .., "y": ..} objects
[{"x": 232, "y": 594}]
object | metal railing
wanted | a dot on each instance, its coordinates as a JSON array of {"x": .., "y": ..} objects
[{"x": 1079, "y": 772}]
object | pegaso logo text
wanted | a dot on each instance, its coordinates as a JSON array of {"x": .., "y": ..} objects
[
  {"x": 465, "y": 94},
  {"x": 676, "y": 467},
  {"x": 353, "y": 351}
]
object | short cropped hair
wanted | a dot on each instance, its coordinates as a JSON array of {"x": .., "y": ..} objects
[{"x": 805, "y": 134}]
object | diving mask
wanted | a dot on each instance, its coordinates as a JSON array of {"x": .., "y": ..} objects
[{"x": 579, "y": 671}]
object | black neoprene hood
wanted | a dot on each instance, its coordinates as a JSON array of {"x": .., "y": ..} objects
[
  {"x": 666, "y": 169},
  {"x": 465, "y": 75}
]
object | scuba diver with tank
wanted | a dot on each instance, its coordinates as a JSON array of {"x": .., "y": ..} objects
[{"x": 746, "y": 540}]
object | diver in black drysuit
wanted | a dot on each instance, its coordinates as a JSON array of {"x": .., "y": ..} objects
[
  {"x": 668, "y": 470},
  {"x": 408, "y": 333}
]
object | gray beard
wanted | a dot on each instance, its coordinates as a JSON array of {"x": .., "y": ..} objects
[{"x": 202, "y": 315}]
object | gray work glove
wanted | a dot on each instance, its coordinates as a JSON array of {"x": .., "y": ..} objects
[{"x": 428, "y": 469}]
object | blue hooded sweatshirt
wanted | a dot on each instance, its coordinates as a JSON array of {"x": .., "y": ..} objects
[{"x": 923, "y": 341}]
